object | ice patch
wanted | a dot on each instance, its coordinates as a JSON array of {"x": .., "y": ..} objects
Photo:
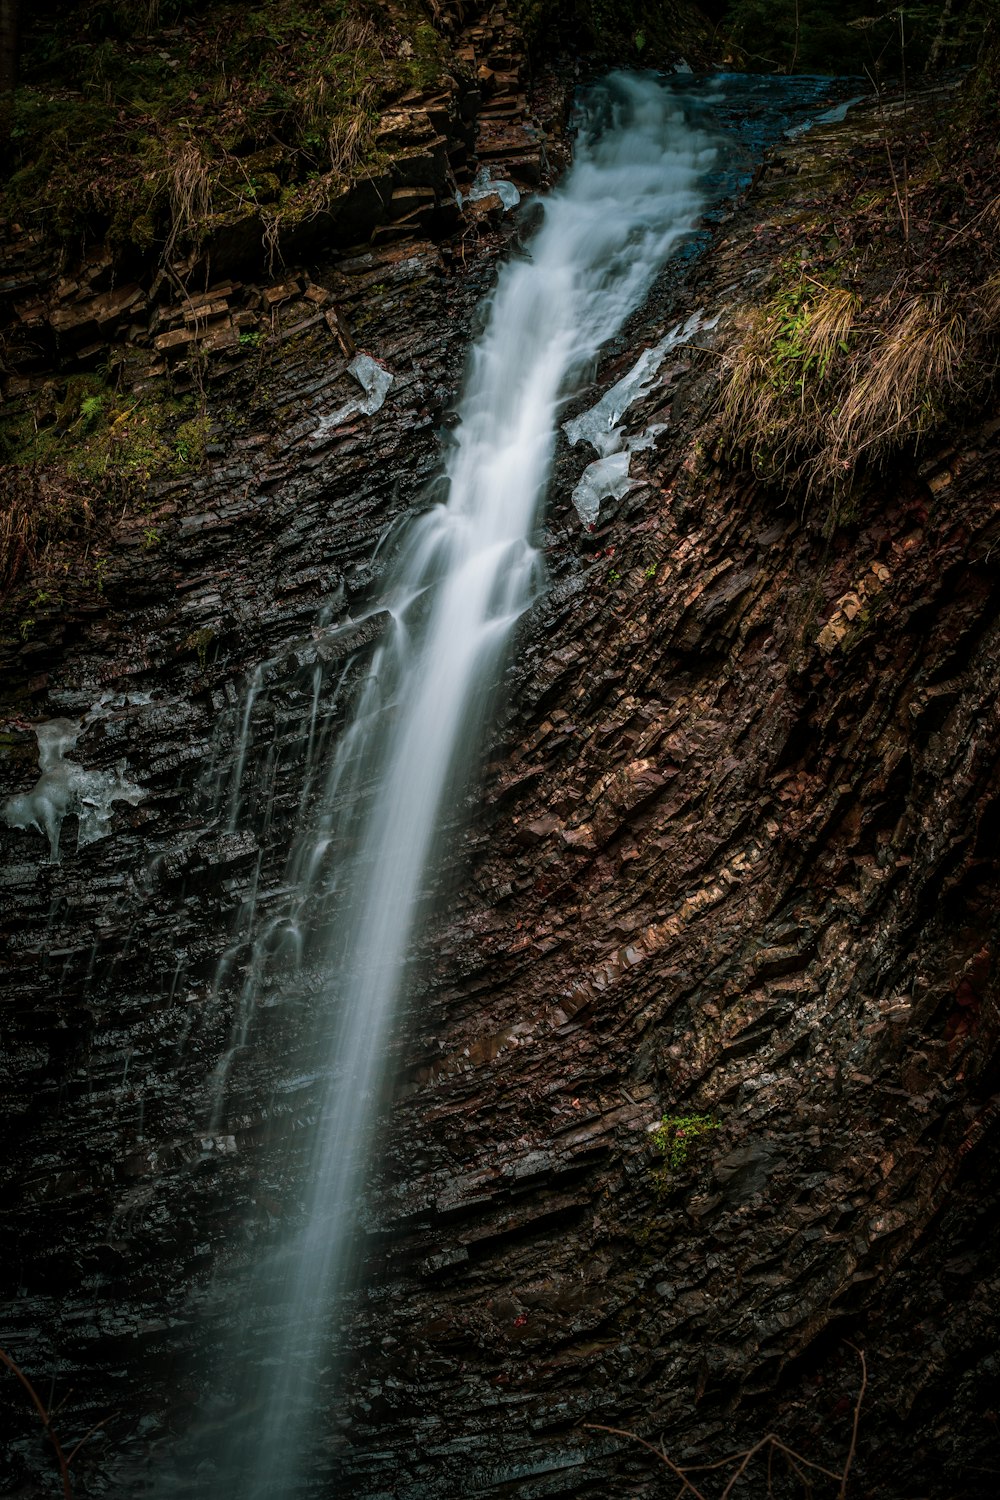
[
  {"x": 828, "y": 117},
  {"x": 646, "y": 439},
  {"x": 484, "y": 186},
  {"x": 374, "y": 379},
  {"x": 65, "y": 787},
  {"x": 599, "y": 426},
  {"x": 600, "y": 481}
]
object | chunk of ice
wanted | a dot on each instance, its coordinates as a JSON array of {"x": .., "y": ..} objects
[
  {"x": 601, "y": 480},
  {"x": 374, "y": 379},
  {"x": 828, "y": 117},
  {"x": 65, "y": 787},
  {"x": 484, "y": 186},
  {"x": 599, "y": 425}
]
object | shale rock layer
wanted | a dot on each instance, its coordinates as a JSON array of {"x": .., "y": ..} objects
[{"x": 733, "y": 860}]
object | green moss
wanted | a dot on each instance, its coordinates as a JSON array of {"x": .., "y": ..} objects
[
  {"x": 673, "y": 1138},
  {"x": 190, "y": 442},
  {"x": 429, "y": 58}
]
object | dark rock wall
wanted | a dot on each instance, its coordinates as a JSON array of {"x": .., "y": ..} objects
[
  {"x": 739, "y": 862},
  {"x": 734, "y": 857}
]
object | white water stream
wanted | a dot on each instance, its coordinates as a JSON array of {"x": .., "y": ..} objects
[{"x": 465, "y": 573}]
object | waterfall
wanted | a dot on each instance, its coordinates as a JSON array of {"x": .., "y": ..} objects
[{"x": 463, "y": 575}]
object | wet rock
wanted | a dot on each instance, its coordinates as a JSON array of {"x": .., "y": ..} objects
[{"x": 718, "y": 868}]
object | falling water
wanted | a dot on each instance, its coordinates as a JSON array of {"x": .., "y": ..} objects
[{"x": 464, "y": 574}]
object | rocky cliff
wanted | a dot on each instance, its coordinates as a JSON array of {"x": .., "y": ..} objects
[{"x": 732, "y": 867}]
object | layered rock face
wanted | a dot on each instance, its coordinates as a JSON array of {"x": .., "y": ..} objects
[
  {"x": 737, "y": 864},
  {"x": 733, "y": 861}
]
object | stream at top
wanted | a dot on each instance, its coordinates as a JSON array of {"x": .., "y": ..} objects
[{"x": 650, "y": 160}]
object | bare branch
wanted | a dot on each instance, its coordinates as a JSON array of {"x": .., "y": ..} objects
[
  {"x": 688, "y": 1487},
  {"x": 76, "y": 1448},
  {"x": 799, "y": 1465},
  {"x": 40, "y": 1407},
  {"x": 857, "y": 1418}
]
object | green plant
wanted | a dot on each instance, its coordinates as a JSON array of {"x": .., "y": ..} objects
[
  {"x": 673, "y": 1138},
  {"x": 150, "y": 538},
  {"x": 199, "y": 642},
  {"x": 190, "y": 443},
  {"x": 90, "y": 410}
]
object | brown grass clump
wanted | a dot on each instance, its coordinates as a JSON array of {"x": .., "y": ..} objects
[
  {"x": 988, "y": 303},
  {"x": 820, "y": 384},
  {"x": 36, "y": 504},
  {"x": 189, "y": 184},
  {"x": 339, "y": 97},
  {"x": 828, "y": 327},
  {"x": 912, "y": 370},
  {"x": 776, "y": 392}
]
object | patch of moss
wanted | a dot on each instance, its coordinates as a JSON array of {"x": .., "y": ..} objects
[
  {"x": 674, "y": 1138},
  {"x": 190, "y": 442},
  {"x": 78, "y": 457}
]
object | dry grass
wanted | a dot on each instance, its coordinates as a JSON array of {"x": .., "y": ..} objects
[
  {"x": 828, "y": 327},
  {"x": 776, "y": 391},
  {"x": 36, "y": 503},
  {"x": 17, "y": 539},
  {"x": 988, "y": 303},
  {"x": 340, "y": 96},
  {"x": 911, "y": 372},
  {"x": 190, "y": 187},
  {"x": 819, "y": 384}
]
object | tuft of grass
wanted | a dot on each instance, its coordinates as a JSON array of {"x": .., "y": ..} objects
[
  {"x": 190, "y": 183},
  {"x": 828, "y": 326},
  {"x": 820, "y": 386},
  {"x": 339, "y": 94},
  {"x": 776, "y": 391},
  {"x": 911, "y": 372}
]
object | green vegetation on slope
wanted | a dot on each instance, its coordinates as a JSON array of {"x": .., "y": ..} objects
[
  {"x": 151, "y": 135},
  {"x": 882, "y": 322}
]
